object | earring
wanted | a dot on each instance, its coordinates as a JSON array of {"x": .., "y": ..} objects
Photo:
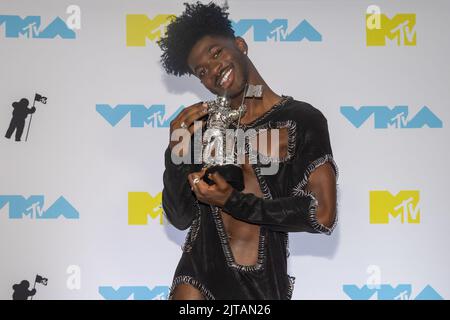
[{"x": 254, "y": 91}]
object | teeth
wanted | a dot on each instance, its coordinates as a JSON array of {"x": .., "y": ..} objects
[{"x": 225, "y": 77}]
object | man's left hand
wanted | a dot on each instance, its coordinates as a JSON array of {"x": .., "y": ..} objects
[{"x": 216, "y": 194}]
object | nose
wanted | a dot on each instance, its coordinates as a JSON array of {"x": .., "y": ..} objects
[{"x": 216, "y": 66}]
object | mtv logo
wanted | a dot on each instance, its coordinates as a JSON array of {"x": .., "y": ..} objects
[
  {"x": 32, "y": 207},
  {"x": 134, "y": 293},
  {"x": 388, "y": 292},
  {"x": 401, "y": 28},
  {"x": 140, "y": 115},
  {"x": 396, "y": 117},
  {"x": 403, "y": 207},
  {"x": 140, "y": 28},
  {"x": 382, "y": 292},
  {"x": 141, "y": 205},
  {"x": 277, "y": 30},
  {"x": 30, "y": 27}
]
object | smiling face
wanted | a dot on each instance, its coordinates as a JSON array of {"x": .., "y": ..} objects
[{"x": 221, "y": 64}]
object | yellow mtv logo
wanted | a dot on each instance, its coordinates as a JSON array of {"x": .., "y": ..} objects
[
  {"x": 400, "y": 28},
  {"x": 141, "y": 205},
  {"x": 140, "y": 28},
  {"x": 385, "y": 206}
]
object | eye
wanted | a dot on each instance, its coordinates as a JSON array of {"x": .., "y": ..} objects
[
  {"x": 217, "y": 53},
  {"x": 201, "y": 73}
]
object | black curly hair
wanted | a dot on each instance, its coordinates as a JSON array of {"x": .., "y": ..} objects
[{"x": 197, "y": 21}]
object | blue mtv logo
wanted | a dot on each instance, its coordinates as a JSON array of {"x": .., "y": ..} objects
[
  {"x": 32, "y": 207},
  {"x": 134, "y": 292},
  {"x": 396, "y": 117},
  {"x": 277, "y": 30},
  {"x": 140, "y": 115},
  {"x": 388, "y": 292},
  {"x": 30, "y": 27}
]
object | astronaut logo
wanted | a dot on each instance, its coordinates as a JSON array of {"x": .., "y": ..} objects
[
  {"x": 20, "y": 114},
  {"x": 22, "y": 290}
]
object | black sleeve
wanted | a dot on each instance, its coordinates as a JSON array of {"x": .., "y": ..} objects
[
  {"x": 297, "y": 212},
  {"x": 178, "y": 201}
]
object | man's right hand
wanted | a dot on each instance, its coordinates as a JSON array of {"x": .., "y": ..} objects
[{"x": 186, "y": 119}]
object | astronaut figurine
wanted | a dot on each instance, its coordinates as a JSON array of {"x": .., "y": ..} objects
[{"x": 218, "y": 151}]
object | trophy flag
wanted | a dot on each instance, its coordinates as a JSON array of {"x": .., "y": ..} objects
[
  {"x": 41, "y": 280},
  {"x": 38, "y": 98}
]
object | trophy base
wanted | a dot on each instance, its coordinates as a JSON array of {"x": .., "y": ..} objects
[{"x": 230, "y": 172}]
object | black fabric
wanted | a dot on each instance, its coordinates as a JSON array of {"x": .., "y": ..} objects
[{"x": 207, "y": 259}]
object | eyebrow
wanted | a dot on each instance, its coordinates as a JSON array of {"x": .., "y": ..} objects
[{"x": 209, "y": 51}]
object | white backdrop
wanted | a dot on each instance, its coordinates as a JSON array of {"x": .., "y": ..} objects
[{"x": 106, "y": 160}]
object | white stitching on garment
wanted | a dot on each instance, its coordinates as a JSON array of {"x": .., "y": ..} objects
[
  {"x": 224, "y": 238},
  {"x": 299, "y": 191},
  {"x": 291, "y": 287},
  {"x": 189, "y": 280},
  {"x": 283, "y": 101},
  {"x": 193, "y": 230},
  {"x": 292, "y": 139},
  {"x": 227, "y": 249},
  {"x": 312, "y": 214},
  {"x": 311, "y": 167}
]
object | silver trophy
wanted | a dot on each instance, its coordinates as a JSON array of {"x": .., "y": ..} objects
[{"x": 219, "y": 144}]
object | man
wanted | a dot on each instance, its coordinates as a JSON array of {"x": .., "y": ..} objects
[{"x": 237, "y": 244}]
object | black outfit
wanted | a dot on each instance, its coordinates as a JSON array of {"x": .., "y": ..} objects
[{"x": 207, "y": 262}]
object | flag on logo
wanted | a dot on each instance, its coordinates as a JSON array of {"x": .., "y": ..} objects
[
  {"x": 39, "y": 98},
  {"x": 40, "y": 279}
]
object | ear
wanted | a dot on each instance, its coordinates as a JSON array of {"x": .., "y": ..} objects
[{"x": 241, "y": 45}]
